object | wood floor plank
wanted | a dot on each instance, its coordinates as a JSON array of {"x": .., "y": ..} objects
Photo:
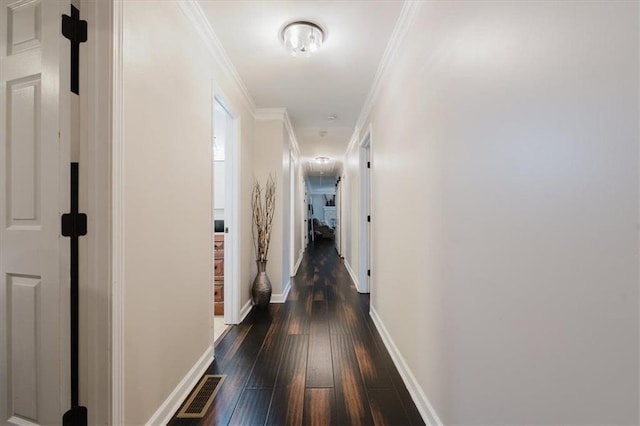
[
  {"x": 287, "y": 403},
  {"x": 237, "y": 370},
  {"x": 386, "y": 408},
  {"x": 319, "y": 407},
  {"x": 373, "y": 365},
  {"x": 319, "y": 363},
  {"x": 352, "y": 405},
  {"x": 252, "y": 408},
  {"x": 299, "y": 321},
  {"x": 264, "y": 376}
]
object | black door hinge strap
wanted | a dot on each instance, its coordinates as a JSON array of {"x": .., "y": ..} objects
[
  {"x": 74, "y": 225},
  {"x": 75, "y": 29}
]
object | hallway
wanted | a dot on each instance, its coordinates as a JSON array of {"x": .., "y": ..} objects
[{"x": 316, "y": 359}]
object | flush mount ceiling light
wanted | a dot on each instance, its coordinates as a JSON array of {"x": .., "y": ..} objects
[
  {"x": 302, "y": 38},
  {"x": 322, "y": 160}
]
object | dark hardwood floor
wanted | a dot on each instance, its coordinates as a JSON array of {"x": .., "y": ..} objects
[{"x": 315, "y": 360}]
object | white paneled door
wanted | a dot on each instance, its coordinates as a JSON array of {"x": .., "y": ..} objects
[{"x": 34, "y": 191}]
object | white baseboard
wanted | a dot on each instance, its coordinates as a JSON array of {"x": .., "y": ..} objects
[
  {"x": 427, "y": 412},
  {"x": 245, "y": 310},
  {"x": 300, "y": 256},
  {"x": 17, "y": 421},
  {"x": 163, "y": 415},
  {"x": 354, "y": 278},
  {"x": 282, "y": 297}
]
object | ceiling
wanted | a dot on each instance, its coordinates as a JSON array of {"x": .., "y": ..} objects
[{"x": 335, "y": 80}]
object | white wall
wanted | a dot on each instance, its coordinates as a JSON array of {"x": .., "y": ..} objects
[
  {"x": 268, "y": 153},
  {"x": 275, "y": 154},
  {"x": 168, "y": 78},
  {"x": 318, "y": 205},
  {"x": 287, "y": 196},
  {"x": 351, "y": 211},
  {"x": 219, "y": 188},
  {"x": 511, "y": 129},
  {"x": 167, "y": 110}
]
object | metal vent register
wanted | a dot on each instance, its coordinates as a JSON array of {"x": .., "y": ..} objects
[{"x": 202, "y": 396}]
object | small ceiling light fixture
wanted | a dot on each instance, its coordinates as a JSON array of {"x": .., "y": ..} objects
[
  {"x": 302, "y": 38},
  {"x": 322, "y": 160},
  {"x": 332, "y": 117}
]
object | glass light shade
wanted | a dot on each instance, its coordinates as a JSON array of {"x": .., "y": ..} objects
[
  {"x": 322, "y": 160},
  {"x": 302, "y": 38}
]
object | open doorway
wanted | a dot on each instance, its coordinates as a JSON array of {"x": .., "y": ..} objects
[{"x": 224, "y": 210}]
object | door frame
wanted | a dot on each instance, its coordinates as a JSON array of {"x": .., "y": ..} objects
[
  {"x": 293, "y": 200},
  {"x": 365, "y": 155},
  {"x": 232, "y": 209},
  {"x": 97, "y": 117},
  {"x": 338, "y": 231},
  {"x": 117, "y": 217}
]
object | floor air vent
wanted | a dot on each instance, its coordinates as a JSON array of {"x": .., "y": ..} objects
[{"x": 202, "y": 396}]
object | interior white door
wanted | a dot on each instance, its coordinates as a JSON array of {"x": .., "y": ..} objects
[{"x": 34, "y": 191}]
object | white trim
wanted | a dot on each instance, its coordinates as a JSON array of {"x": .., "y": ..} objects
[
  {"x": 292, "y": 134},
  {"x": 245, "y": 310},
  {"x": 366, "y": 209},
  {"x": 291, "y": 253},
  {"x": 638, "y": 94},
  {"x": 96, "y": 138},
  {"x": 232, "y": 215},
  {"x": 117, "y": 184},
  {"x": 299, "y": 262},
  {"x": 353, "y": 276},
  {"x": 408, "y": 12},
  {"x": 164, "y": 414},
  {"x": 427, "y": 412},
  {"x": 196, "y": 16},
  {"x": 236, "y": 223},
  {"x": 17, "y": 421},
  {"x": 282, "y": 297},
  {"x": 267, "y": 114}
]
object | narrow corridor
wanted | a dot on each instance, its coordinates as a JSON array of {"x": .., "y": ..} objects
[{"x": 316, "y": 359}]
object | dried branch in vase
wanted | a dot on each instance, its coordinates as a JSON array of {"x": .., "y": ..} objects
[{"x": 263, "y": 204}]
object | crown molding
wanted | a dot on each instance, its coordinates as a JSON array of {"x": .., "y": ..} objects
[
  {"x": 267, "y": 114},
  {"x": 407, "y": 14},
  {"x": 195, "y": 15}
]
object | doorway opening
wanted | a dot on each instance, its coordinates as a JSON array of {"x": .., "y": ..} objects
[{"x": 225, "y": 311}]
